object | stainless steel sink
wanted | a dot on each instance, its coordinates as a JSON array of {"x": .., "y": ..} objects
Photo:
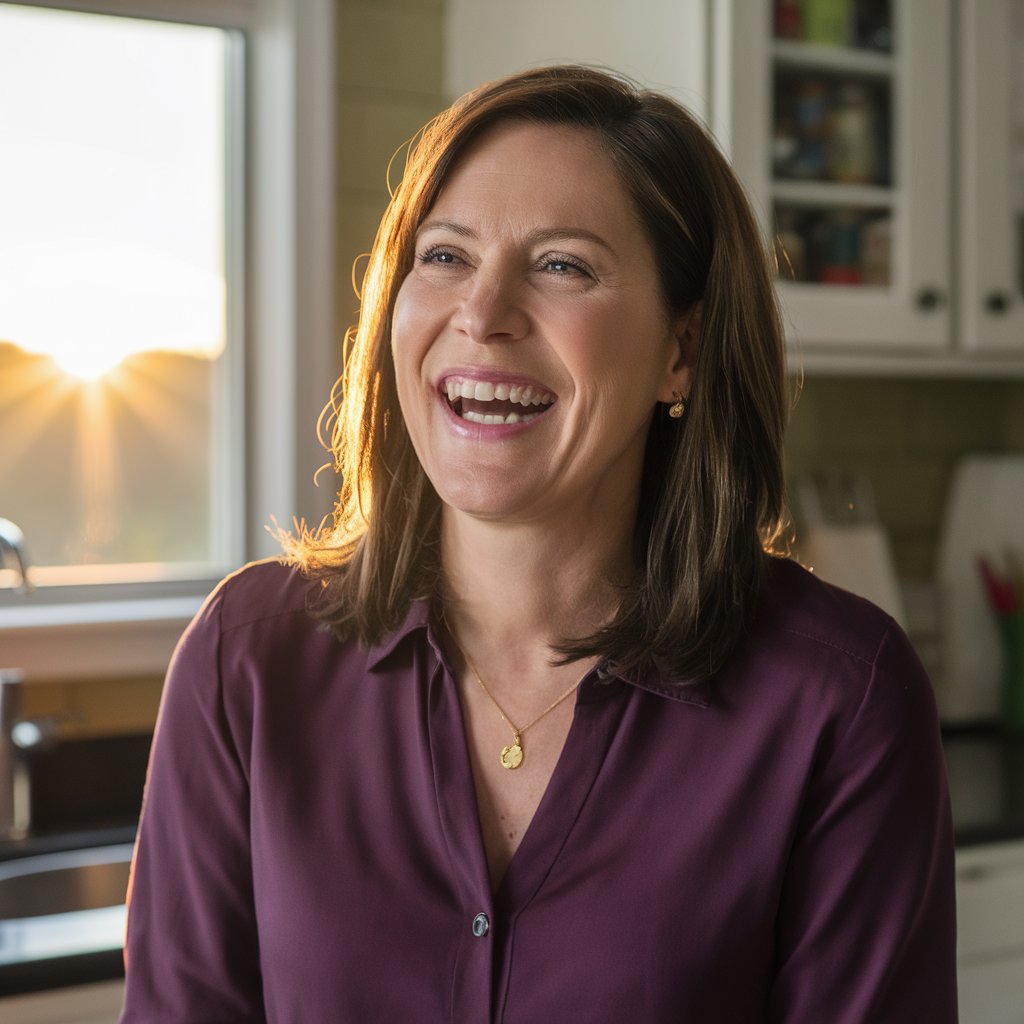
[{"x": 65, "y": 904}]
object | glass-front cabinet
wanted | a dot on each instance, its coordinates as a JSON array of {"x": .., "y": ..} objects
[
  {"x": 839, "y": 123},
  {"x": 883, "y": 144},
  {"x": 832, "y": 87},
  {"x": 991, "y": 169}
]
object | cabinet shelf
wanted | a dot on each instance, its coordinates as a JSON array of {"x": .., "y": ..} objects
[
  {"x": 840, "y": 60},
  {"x": 826, "y": 194}
]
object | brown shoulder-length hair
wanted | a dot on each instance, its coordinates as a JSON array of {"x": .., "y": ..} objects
[{"x": 712, "y": 491}]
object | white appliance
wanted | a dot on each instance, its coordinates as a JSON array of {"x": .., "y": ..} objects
[{"x": 841, "y": 540}]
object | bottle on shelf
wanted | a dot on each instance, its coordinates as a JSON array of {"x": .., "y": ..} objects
[
  {"x": 841, "y": 255},
  {"x": 876, "y": 250},
  {"x": 851, "y": 155},
  {"x": 811, "y": 126}
]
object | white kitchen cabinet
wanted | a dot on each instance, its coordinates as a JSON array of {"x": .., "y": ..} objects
[
  {"x": 81, "y": 1004},
  {"x": 875, "y": 223},
  {"x": 898, "y": 300},
  {"x": 990, "y": 925},
  {"x": 933, "y": 113},
  {"x": 991, "y": 166}
]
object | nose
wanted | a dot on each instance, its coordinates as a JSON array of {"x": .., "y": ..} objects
[{"x": 491, "y": 308}]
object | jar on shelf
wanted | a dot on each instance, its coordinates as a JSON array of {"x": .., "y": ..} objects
[
  {"x": 876, "y": 251},
  {"x": 811, "y": 127},
  {"x": 841, "y": 255},
  {"x": 828, "y": 22},
  {"x": 851, "y": 154}
]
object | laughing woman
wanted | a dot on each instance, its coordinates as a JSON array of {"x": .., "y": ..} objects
[{"x": 540, "y": 730}]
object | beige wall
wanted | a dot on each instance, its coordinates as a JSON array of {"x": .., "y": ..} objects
[{"x": 389, "y": 81}]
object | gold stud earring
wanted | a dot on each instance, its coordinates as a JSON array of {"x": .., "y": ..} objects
[{"x": 678, "y": 408}]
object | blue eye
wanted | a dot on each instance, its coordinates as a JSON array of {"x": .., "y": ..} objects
[
  {"x": 438, "y": 255},
  {"x": 560, "y": 266}
]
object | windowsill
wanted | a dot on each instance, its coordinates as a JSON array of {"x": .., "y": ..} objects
[{"x": 95, "y": 639}]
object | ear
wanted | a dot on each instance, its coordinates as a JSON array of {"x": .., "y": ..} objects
[{"x": 678, "y": 378}]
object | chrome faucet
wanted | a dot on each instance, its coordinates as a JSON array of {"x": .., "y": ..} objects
[
  {"x": 14, "y": 795},
  {"x": 13, "y": 552}
]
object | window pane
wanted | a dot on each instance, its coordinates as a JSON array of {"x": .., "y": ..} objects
[{"x": 113, "y": 293}]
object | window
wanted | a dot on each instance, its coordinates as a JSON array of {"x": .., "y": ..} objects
[
  {"x": 166, "y": 309},
  {"x": 117, "y": 301}
]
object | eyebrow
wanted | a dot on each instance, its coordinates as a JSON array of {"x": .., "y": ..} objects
[{"x": 545, "y": 235}]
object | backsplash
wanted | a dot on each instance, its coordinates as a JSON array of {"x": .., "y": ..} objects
[
  {"x": 905, "y": 436},
  {"x": 92, "y": 709}
]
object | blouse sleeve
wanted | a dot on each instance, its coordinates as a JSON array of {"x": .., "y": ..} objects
[
  {"x": 866, "y": 928},
  {"x": 192, "y": 953}
]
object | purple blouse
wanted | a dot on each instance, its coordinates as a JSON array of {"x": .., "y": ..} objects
[{"x": 773, "y": 844}]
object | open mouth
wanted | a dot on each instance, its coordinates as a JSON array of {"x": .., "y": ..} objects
[{"x": 489, "y": 403}]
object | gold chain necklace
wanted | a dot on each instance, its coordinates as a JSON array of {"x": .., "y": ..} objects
[{"x": 512, "y": 756}]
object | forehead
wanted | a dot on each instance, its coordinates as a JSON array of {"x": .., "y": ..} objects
[{"x": 558, "y": 172}]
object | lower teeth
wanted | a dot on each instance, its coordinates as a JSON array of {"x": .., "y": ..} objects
[{"x": 489, "y": 420}]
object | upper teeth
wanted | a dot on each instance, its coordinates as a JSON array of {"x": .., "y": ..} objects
[{"x": 485, "y": 391}]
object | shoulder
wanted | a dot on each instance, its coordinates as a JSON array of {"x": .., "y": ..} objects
[
  {"x": 832, "y": 651},
  {"x": 815, "y": 614},
  {"x": 266, "y": 599},
  {"x": 254, "y": 641},
  {"x": 260, "y": 592}
]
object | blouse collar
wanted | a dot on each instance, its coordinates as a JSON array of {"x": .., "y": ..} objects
[{"x": 418, "y": 619}]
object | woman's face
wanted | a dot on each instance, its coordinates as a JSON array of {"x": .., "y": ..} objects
[{"x": 530, "y": 340}]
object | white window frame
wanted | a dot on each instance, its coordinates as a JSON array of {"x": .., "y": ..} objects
[{"x": 289, "y": 347}]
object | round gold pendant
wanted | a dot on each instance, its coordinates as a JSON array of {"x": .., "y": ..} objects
[{"x": 512, "y": 757}]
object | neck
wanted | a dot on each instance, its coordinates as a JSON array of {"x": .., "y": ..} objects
[{"x": 511, "y": 591}]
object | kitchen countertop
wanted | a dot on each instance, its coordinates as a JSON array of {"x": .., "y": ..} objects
[{"x": 986, "y": 781}]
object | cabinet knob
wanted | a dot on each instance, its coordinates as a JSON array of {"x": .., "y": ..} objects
[
  {"x": 997, "y": 302},
  {"x": 930, "y": 298}
]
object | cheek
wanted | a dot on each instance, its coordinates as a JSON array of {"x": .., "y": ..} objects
[
  {"x": 414, "y": 322},
  {"x": 404, "y": 339},
  {"x": 614, "y": 345}
]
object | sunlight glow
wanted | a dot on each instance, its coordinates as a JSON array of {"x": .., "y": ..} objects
[
  {"x": 87, "y": 365},
  {"x": 90, "y": 303}
]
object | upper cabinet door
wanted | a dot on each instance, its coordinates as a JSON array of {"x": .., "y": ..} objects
[
  {"x": 837, "y": 116},
  {"x": 992, "y": 175}
]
